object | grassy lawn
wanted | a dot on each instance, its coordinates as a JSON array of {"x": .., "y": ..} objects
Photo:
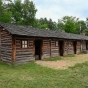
[
  {"x": 32, "y": 75},
  {"x": 63, "y": 62},
  {"x": 52, "y": 59}
]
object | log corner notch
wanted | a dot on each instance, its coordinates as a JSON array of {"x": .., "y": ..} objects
[{"x": 13, "y": 49}]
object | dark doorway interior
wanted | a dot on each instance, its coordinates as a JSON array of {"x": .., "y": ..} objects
[
  {"x": 38, "y": 45},
  {"x": 74, "y": 44},
  {"x": 61, "y": 46}
]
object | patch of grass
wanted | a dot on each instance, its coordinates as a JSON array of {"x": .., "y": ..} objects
[
  {"x": 32, "y": 75},
  {"x": 81, "y": 53},
  {"x": 70, "y": 55},
  {"x": 52, "y": 59}
]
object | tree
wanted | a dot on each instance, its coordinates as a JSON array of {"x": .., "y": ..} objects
[
  {"x": 69, "y": 24},
  {"x": 15, "y": 7},
  {"x": 1, "y": 7},
  {"x": 60, "y": 25},
  {"x": 85, "y": 27},
  {"x": 43, "y": 23},
  {"x": 82, "y": 26},
  {"x": 29, "y": 12},
  {"x": 5, "y": 15},
  {"x": 22, "y": 13},
  {"x": 46, "y": 24},
  {"x": 52, "y": 25}
]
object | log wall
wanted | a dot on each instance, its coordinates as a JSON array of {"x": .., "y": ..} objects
[
  {"x": 68, "y": 47},
  {"x": 6, "y": 46},
  {"x": 54, "y": 48},
  {"x": 78, "y": 47},
  {"x": 24, "y": 55},
  {"x": 50, "y": 48},
  {"x": 83, "y": 45},
  {"x": 46, "y": 49}
]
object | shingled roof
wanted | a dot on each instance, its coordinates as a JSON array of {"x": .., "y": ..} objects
[{"x": 35, "y": 32}]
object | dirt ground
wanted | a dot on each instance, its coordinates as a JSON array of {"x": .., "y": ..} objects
[{"x": 65, "y": 62}]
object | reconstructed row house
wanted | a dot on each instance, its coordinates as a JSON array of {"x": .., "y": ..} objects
[{"x": 21, "y": 44}]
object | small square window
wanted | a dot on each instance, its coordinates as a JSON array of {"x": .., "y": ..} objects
[
  {"x": 56, "y": 43},
  {"x": 24, "y": 44}
]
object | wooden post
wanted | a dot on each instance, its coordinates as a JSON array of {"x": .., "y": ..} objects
[
  {"x": 50, "y": 46},
  {"x": 13, "y": 49},
  {"x": 0, "y": 44}
]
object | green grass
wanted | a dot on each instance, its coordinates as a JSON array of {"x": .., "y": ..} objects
[
  {"x": 52, "y": 59},
  {"x": 81, "y": 53},
  {"x": 70, "y": 55},
  {"x": 32, "y": 75}
]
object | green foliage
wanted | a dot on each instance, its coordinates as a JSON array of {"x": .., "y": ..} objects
[
  {"x": 15, "y": 8},
  {"x": 43, "y": 26},
  {"x": 1, "y": 7},
  {"x": 22, "y": 13},
  {"x": 83, "y": 26},
  {"x": 29, "y": 12},
  {"x": 43, "y": 23},
  {"x": 52, "y": 25},
  {"x": 5, "y": 15},
  {"x": 70, "y": 55},
  {"x": 71, "y": 24},
  {"x": 82, "y": 52}
]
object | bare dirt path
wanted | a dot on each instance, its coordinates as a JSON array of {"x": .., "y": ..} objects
[{"x": 65, "y": 62}]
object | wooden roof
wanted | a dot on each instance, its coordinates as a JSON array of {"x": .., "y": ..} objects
[{"x": 35, "y": 32}]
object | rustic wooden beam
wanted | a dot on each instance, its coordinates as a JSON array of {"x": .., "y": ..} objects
[
  {"x": 13, "y": 48},
  {"x": 0, "y": 44},
  {"x": 50, "y": 46}
]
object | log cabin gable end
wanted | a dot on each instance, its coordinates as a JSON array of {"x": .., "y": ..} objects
[{"x": 5, "y": 45}]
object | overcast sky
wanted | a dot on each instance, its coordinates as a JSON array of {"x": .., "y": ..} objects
[{"x": 56, "y": 9}]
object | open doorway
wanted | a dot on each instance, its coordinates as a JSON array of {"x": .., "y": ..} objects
[
  {"x": 38, "y": 49},
  {"x": 61, "y": 48},
  {"x": 74, "y": 45}
]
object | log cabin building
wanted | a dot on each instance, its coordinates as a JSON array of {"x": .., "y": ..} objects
[{"x": 21, "y": 44}]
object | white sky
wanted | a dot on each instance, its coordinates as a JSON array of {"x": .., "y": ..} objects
[{"x": 56, "y": 9}]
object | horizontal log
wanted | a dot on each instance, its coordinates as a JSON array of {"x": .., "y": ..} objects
[
  {"x": 24, "y": 54},
  {"x": 20, "y": 62},
  {"x": 6, "y": 54},
  {"x": 21, "y": 56},
  {"x": 8, "y": 62},
  {"x": 5, "y": 36},
  {"x": 7, "y": 58},
  {"x": 24, "y": 58},
  {"x": 46, "y": 52},
  {"x": 54, "y": 48}
]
